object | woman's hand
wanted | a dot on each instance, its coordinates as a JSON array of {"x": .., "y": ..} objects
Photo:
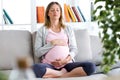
[
  {"x": 59, "y": 42},
  {"x": 60, "y": 62},
  {"x": 57, "y": 63}
]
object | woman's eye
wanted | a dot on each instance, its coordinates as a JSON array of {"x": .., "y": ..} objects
[
  {"x": 58, "y": 10},
  {"x": 52, "y": 10}
]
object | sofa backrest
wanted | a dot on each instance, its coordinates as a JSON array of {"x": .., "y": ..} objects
[
  {"x": 14, "y": 43},
  {"x": 36, "y": 59}
]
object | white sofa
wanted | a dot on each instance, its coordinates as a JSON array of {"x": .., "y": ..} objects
[{"x": 16, "y": 42}]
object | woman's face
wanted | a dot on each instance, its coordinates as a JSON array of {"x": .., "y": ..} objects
[{"x": 54, "y": 12}]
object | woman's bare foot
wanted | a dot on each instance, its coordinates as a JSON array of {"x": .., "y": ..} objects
[
  {"x": 55, "y": 74},
  {"x": 63, "y": 70},
  {"x": 75, "y": 73}
]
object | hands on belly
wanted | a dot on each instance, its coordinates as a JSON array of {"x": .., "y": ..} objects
[{"x": 60, "y": 62}]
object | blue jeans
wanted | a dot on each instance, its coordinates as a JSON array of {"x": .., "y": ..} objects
[{"x": 40, "y": 69}]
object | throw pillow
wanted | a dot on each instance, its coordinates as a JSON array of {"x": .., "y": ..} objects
[
  {"x": 83, "y": 44},
  {"x": 96, "y": 48}
]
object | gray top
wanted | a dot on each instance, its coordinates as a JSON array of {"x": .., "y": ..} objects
[{"x": 42, "y": 47}]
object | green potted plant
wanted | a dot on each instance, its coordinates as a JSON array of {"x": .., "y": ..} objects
[
  {"x": 108, "y": 18},
  {"x": 3, "y": 76}
]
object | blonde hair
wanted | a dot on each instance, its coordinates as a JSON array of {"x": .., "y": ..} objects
[{"x": 47, "y": 19}]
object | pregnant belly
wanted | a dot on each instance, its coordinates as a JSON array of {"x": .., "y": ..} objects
[{"x": 58, "y": 52}]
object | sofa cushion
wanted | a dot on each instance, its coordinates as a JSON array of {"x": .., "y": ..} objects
[
  {"x": 83, "y": 44},
  {"x": 14, "y": 43},
  {"x": 92, "y": 77},
  {"x": 36, "y": 59},
  {"x": 114, "y": 72},
  {"x": 96, "y": 47}
]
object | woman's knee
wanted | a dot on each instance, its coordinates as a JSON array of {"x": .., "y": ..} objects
[
  {"x": 89, "y": 68},
  {"x": 39, "y": 70}
]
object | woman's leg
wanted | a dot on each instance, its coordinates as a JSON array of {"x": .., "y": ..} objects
[
  {"x": 46, "y": 70},
  {"x": 77, "y": 69},
  {"x": 51, "y": 73},
  {"x": 75, "y": 73}
]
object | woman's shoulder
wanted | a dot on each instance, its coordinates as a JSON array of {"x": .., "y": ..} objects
[
  {"x": 41, "y": 28},
  {"x": 68, "y": 28}
]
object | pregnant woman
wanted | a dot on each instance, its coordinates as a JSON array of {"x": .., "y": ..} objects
[{"x": 55, "y": 45}]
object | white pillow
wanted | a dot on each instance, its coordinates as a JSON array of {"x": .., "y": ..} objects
[
  {"x": 83, "y": 44},
  {"x": 96, "y": 48}
]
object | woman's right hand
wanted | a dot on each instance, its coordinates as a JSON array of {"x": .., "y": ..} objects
[
  {"x": 60, "y": 62},
  {"x": 58, "y": 42}
]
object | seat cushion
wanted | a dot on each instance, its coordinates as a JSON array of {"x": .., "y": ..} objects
[
  {"x": 92, "y": 77},
  {"x": 14, "y": 43}
]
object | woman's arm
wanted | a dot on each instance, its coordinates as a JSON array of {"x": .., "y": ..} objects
[
  {"x": 72, "y": 42},
  {"x": 41, "y": 47}
]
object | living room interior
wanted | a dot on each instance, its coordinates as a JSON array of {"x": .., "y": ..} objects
[{"x": 97, "y": 34}]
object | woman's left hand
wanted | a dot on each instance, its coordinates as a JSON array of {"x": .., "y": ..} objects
[{"x": 60, "y": 62}]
